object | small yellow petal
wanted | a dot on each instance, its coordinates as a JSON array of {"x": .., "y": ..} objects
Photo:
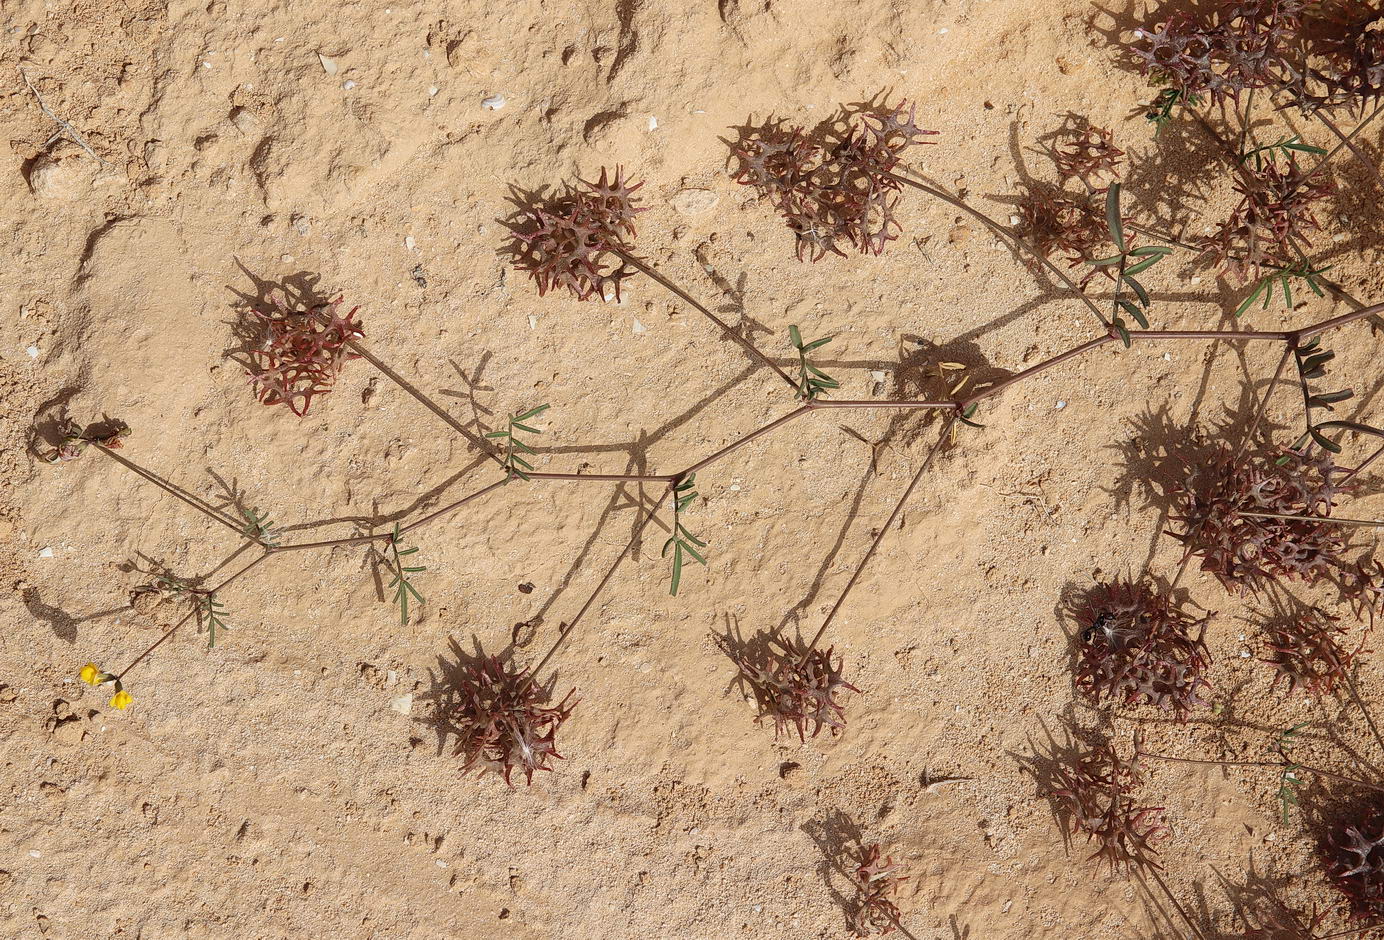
[
  {"x": 121, "y": 700},
  {"x": 90, "y": 674}
]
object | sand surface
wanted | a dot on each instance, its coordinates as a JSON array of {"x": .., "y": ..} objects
[{"x": 288, "y": 783}]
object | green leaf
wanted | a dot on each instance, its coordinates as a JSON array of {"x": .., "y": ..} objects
[
  {"x": 692, "y": 538},
  {"x": 1106, "y": 262},
  {"x": 795, "y": 337},
  {"x": 1305, "y": 148},
  {"x": 531, "y": 412},
  {"x": 1138, "y": 289},
  {"x": 1151, "y": 250},
  {"x": 498, "y": 434},
  {"x": 1143, "y": 265},
  {"x": 965, "y": 416},
  {"x": 1122, "y": 330},
  {"x": 1136, "y": 313},
  {"x": 1112, "y": 216},
  {"x": 817, "y": 343},
  {"x": 1352, "y": 426},
  {"x": 693, "y": 552},
  {"x": 524, "y": 427},
  {"x": 677, "y": 570},
  {"x": 1249, "y": 301},
  {"x": 1325, "y": 442}
]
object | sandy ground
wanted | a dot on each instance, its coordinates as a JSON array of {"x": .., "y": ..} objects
[{"x": 287, "y": 783}]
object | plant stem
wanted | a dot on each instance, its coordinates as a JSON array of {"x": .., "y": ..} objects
[
  {"x": 572, "y": 626},
  {"x": 1266, "y": 763},
  {"x": 687, "y": 298},
  {"x": 1325, "y": 519},
  {"x": 1004, "y": 233},
  {"x": 190, "y": 614},
  {"x": 181, "y": 495},
  {"x": 879, "y": 536},
  {"x": 1263, "y": 405}
]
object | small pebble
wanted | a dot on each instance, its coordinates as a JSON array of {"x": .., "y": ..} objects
[
  {"x": 1014, "y": 220},
  {"x": 533, "y": 322},
  {"x": 639, "y": 328},
  {"x": 493, "y": 103},
  {"x": 1061, "y": 405},
  {"x": 653, "y": 123},
  {"x": 328, "y": 65},
  {"x": 35, "y": 853},
  {"x": 348, "y": 84},
  {"x": 432, "y": 90},
  {"x": 46, "y": 553},
  {"x": 403, "y": 704},
  {"x": 33, "y": 352},
  {"x": 409, "y": 242},
  {"x": 943, "y": 31}
]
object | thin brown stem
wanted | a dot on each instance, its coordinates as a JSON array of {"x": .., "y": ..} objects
[
  {"x": 688, "y": 299},
  {"x": 1177, "y": 905},
  {"x": 1327, "y": 519},
  {"x": 190, "y": 614},
  {"x": 1009, "y": 236},
  {"x": 1360, "y": 703},
  {"x": 1034, "y": 370},
  {"x": 1281, "y": 765},
  {"x": 737, "y": 444},
  {"x": 439, "y": 513},
  {"x": 1263, "y": 405},
  {"x": 572, "y": 626},
  {"x": 174, "y": 491},
  {"x": 1364, "y": 465},
  {"x": 1350, "y": 143},
  {"x": 879, "y": 536}
]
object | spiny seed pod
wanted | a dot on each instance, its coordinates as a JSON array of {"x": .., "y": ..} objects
[
  {"x": 577, "y": 241},
  {"x": 1307, "y": 652},
  {"x": 1136, "y": 646},
  {"x": 796, "y": 688},
  {"x": 502, "y": 721},
  {"x": 300, "y": 353},
  {"x": 1353, "y": 853},
  {"x": 876, "y": 881},
  {"x": 1089, "y": 156},
  {"x": 1093, "y": 796},
  {"x": 831, "y": 196}
]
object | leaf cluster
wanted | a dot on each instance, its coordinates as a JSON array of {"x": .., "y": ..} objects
[
  {"x": 502, "y": 720},
  {"x": 297, "y": 356},
  {"x": 812, "y": 381},
  {"x": 1353, "y": 853},
  {"x": 683, "y": 543},
  {"x": 1136, "y": 646},
  {"x": 1093, "y": 792},
  {"x": 795, "y": 687},
  {"x": 578, "y": 239},
  {"x": 515, "y": 464},
  {"x": 401, "y": 584},
  {"x": 833, "y": 195}
]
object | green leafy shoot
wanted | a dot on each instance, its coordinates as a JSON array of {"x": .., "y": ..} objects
[
  {"x": 965, "y": 416},
  {"x": 1311, "y": 361},
  {"x": 513, "y": 461},
  {"x": 1285, "y": 146},
  {"x": 212, "y": 613},
  {"x": 1160, "y": 112},
  {"x": 1264, "y": 288},
  {"x": 402, "y": 585},
  {"x": 1130, "y": 263},
  {"x": 1288, "y": 779},
  {"x": 683, "y": 543},
  {"x": 812, "y": 381},
  {"x": 260, "y": 527}
]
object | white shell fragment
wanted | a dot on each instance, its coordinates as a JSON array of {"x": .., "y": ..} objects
[
  {"x": 493, "y": 103},
  {"x": 328, "y": 65}
]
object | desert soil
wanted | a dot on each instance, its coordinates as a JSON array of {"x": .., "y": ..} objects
[{"x": 288, "y": 782}]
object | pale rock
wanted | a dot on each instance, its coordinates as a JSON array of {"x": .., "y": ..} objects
[
  {"x": 694, "y": 201},
  {"x": 403, "y": 704}
]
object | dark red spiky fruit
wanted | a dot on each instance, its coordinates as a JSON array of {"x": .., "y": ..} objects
[
  {"x": 796, "y": 690},
  {"x": 1093, "y": 793},
  {"x": 832, "y": 196},
  {"x": 577, "y": 241},
  {"x": 1089, "y": 156},
  {"x": 1353, "y": 854},
  {"x": 1307, "y": 652},
  {"x": 300, "y": 353},
  {"x": 502, "y": 721},
  {"x": 1136, "y": 646},
  {"x": 1243, "y": 550},
  {"x": 876, "y": 882}
]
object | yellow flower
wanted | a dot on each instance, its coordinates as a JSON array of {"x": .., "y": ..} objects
[
  {"x": 92, "y": 675},
  {"x": 121, "y": 700}
]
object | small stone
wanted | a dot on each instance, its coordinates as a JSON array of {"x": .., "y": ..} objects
[
  {"x": 32, "y": 351},
  {"x": 1060, "y": 405},
  {"x": 348, "y": 84},
  {"x": 409, "y": 243},
  {"x": 35, "y": 853},
  {"x": 639, "y": 328},
  {"x": 653, "y": 123},
  {"x": 328, "y": 65},
  {"x": 493, "y": 103},
  {"x": 432, "y": 91},
  {"x": 45, "y": 553},
  {"x": 403, "y": 704},
  {"x": 694, "y": 201}
]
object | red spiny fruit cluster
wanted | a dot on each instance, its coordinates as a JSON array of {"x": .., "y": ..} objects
[
  {"x": 578, "y": 240},
  {"x": 1350, "y": 42},
  {"x": 502, "y": 721},
  {"x": 1135, "y": 646},
  {"x": 836, "y": 195},
  {"x": 1243, "y": 45},
  {"x": 1093, "y": 794},
  {"x": 795, "y": 690},
  {"x": 300, "y": 353},
  {"x": 1307, "y": 652},
  {"x": 1271, "y": 223},
  {"x": 1089, "y": 156},
  {"x": 1353, "y": 851},
  {"x": 1243, "y": 550},
  {"x": 876, "y": 881}
]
